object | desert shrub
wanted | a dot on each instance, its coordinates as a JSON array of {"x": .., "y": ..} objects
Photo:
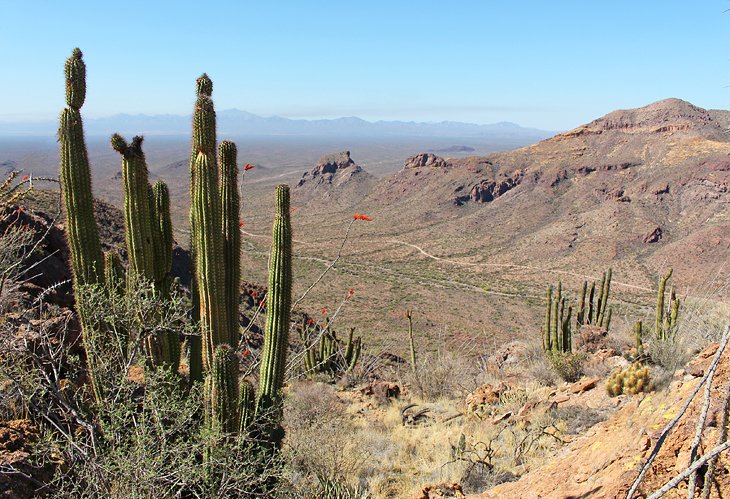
[
  {"x": 671, "y": 354},
  {"x": 569, "y": 366},
  {"x": 579, "y": 418},
  {"x": 320, "y": 441},
  {"x": 146, "y": 437},
  {"x": 443, "y": 374}
]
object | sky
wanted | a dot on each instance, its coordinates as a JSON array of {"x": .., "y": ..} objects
[{"x": 551, "y": 65}]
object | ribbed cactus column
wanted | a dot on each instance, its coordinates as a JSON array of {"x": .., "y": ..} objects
[
  {"x": 276, "y": 335},
  {"x": 221, "y": 388},
  {"x": 209, "y": 270},
  {"x": 230, "y": 207},
  {"x": 82, "y": 233},
  {"x": 203, "y": 142},
  {"x": 75, "y": 175},
  {"x": 162, "y": 231},
  {"x": 162, "y": 235},
  {"x": 246, "y": 406},
  {"x": 605, "y": 290},
  {"x": 138, "y": 217},
  {"x": 547, "y": 339},
  {"x": 659, "y": 331}
]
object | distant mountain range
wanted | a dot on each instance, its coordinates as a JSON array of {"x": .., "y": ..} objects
[{"x": 234, "y": 122}]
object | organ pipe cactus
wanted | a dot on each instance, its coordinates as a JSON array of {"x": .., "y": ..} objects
[
  {"x": 606, "y": 287},
  {"x": 558, "y": 333},
  {"x": 209, "y": 255},
  {"x": 137, "y": 207},
  {"x": 162, "y": 230},
  {"x": 82, "y": 234},
  {"x": 638, "y": 338},
  {"x": 221, "y": 388},
  {"x": 203, "y": 141},
  {"x": 665, "y": 322},
  {"x": 331, "y": 356},
  {"x": 230, "y": 207},
  {"x": 246, "y": 406},
  {"x": 75, "y": 176},
  {"x": 276, "y": 334},
  {"x": 594, "y": 311}
]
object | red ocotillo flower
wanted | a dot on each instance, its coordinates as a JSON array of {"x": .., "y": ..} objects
[
  {"x": 360, "y": 216},
  {"x": 248, "y": 167},
  {"x": 241, "y": 223},
  {"x": 324, "y": 311},
  {"x": 25, "y": 177}
]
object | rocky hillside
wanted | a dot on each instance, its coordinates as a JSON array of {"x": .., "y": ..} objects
[{"x": 638, "y": 189}]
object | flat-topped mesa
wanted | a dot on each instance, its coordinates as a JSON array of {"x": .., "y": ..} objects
[
  {"x": 328, "y": 166},
  {"x": 424, "y": 160}
]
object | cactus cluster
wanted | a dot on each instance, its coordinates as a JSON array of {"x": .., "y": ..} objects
[
  {"x": 230, "y": 403},
  {"x": 665, "y": 321},
  {"x": 557, "y": 332},
  {"x": 330, "y": 356},
  {"x": 594, "y": 309},
  {"x": 632, "y": 380}
]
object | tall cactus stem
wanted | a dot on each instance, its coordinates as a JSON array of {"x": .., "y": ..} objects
[
  {"x": 659, "y": 331},
  {"x": 582, "y": 304},
  {"x": 604, "y": 298},
  {"x": 273, "y": 363},
  {"x": 82, "y": 234},
  {"x": 230, "y": 207}
]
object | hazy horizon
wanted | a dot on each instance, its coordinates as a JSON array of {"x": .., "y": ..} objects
[{"x": 545, "y": 66}]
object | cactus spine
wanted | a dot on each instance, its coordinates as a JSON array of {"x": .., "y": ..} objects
[
  {"x": 230, "y": 207},
  {"x": 82, "y": 233},
  {"x": 273, "y": 362}
]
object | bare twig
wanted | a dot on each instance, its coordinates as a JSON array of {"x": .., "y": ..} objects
[
  {"x": 710, "y": 473},
  {"x": 699, "y": 428},
  {"x": 329, "y": 267},
  {"x": 673, "y": 422},
  {"x": 692, "y": 469}
]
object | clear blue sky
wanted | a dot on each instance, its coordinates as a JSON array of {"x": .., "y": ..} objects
[{"x": 548, "y": 64}]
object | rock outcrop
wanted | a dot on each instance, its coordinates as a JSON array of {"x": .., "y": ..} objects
[
  {"x": 328, "y": 167},
  {"x": 425, "y": 160},
  {"x": 489, "y": 190}
]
